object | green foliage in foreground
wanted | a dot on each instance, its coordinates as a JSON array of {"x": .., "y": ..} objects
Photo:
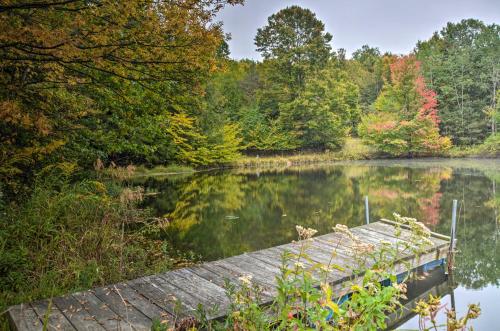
[
  {"x": 72, "y": 236},
  {"x": 306, "y": 301}
]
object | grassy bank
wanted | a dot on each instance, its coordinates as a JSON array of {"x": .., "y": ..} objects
[
  {"x": 490, "y": 148},
  {"x": 353, "y": 149}
]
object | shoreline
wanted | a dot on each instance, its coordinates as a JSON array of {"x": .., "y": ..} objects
[{"x": 297, "y": 160}]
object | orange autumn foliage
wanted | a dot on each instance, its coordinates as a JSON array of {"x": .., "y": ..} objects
[{"x": 54, "y": 56}]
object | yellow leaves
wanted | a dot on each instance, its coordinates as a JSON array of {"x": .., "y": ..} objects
[
  {"x": 194, "y": 147},
  {"x": 50, "y": 147},
  {"x": 328, "y": 294},
  {"x": 181, "y": 129},
  {"x": 42, "y": 125},
  {"x": 165, "y": 40},
  {"x": 356, "y": 288},
  {"x": 99, "y": 186},
  {"x": 11, "y": 112}
]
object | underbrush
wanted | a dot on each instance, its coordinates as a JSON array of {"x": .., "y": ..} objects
[
  {"x": 162, "y": 170},
  {"x": 72, "y": 236},
  {"x": 489, "y": 148},
  {"x": 353, "y": 149}
]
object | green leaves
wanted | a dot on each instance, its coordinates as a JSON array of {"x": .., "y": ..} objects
[
  {"x": 296, "y": 35},
  {"x": 461, "y": 63},
  {"x": 406, "y": 120},
  {"x": 321, "y": 116}
]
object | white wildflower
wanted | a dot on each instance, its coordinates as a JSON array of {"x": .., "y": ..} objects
[
  {"x": 299, "y": 265},
  {"x": 305, "y": 233},
  {"x": 246, "y": 280}
]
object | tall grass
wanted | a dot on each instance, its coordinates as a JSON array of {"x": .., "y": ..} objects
[{"x": 71, "y": 236}]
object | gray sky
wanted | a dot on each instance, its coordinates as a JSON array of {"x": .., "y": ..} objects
[{"x": 391, "y": 25}]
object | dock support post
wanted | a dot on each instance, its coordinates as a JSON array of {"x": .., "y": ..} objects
[
  {"x": 451, "y": 253},
  {"x": 367, "y": 210}
]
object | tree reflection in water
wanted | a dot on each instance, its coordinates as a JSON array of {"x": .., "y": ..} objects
[{"x": 220, "y": 214}]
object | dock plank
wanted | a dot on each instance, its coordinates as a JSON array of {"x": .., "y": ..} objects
[
  {"x": 166, "y": 296},
  {"x": 142, "y": 303},
  {"x": 212, "y": 297},
  {"x": 101, "y": 312},
  {"x": 51, "y": 316},
  {"x": 75, "y": 312},
  {"x": 124, "y": 309},
  {"x": 24, "y": 318}
]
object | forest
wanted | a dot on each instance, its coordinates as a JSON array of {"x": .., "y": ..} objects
[
  {"x": 90, "y": 91},
  {"x": 131, "y": 88}
]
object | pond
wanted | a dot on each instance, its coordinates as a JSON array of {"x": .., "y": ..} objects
[{"x": 223, "y": 213}]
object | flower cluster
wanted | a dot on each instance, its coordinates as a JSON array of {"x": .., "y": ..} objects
[
  {"x": 421, "y": 234},
  {"x": 358, "y": 245},
  {"x": 305, "y": 233},
  {"x": 246, "y": 280},
  {"x": 343, "y": 229}
]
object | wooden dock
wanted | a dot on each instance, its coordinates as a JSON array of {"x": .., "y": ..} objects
[
  {"x": 133, "y": 305},
  {"x": 435, "y": 283}
]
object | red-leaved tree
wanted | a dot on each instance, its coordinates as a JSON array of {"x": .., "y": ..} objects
[{"x": 406, "y": 120}]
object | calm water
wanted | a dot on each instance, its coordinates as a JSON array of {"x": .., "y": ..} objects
[{"x": 220, "y": 214}]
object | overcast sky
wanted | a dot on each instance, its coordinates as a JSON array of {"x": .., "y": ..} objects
[{"x": 391, "y": 25}]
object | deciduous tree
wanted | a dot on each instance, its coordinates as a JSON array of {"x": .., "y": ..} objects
[{"x": 406, "y": 122}]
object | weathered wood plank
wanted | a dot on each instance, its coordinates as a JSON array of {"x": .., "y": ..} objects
[
  {"x": 124, "y": 309},
  {"x": 377, "y": 239},
  {"x": 244, "y": 268},
  {"x": 232, "y": 276},
  {"x": 344, "y": 245},
  {"x": 212, "y": 297},
  {"x": 142, "y": 303},
  {"x": 101, "y": 312},
  {"x": 51, "y": 316},
  {"x": 274, "y": 259},
  {"x": 24, "y": 318},
  {"x": 316, "y": 256},
  {"x": 79, "y": 317},
  {"x": 165, "y": 295},
  {"x": 218, "y": 279}
]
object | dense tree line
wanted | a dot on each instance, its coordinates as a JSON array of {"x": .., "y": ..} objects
[
  {"x": 152, "y": 82},
  {"x": 306, "y": 95}
]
